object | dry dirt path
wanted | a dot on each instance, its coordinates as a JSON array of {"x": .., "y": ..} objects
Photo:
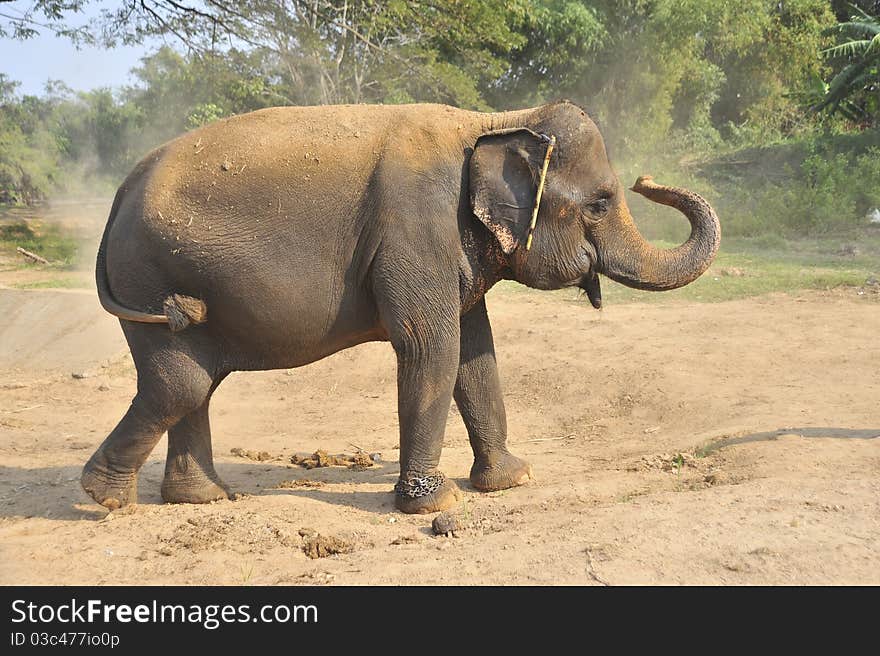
[{"x": 671, "y": 443}]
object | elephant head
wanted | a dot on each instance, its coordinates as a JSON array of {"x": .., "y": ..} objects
[{"x": 584, "y": 226}]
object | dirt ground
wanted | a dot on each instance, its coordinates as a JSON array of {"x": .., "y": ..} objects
[{"x": 675, "y": 443}]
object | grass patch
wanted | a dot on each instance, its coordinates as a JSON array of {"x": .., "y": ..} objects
[
  {"x": 49, "y": 241},
  {"x": 753, "y": 267},
  {"x": 54, "y": 283}
]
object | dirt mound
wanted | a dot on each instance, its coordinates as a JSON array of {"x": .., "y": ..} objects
[{"x": 244, "y": 533}]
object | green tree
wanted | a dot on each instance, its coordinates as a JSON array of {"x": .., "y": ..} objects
[
  {"x": 29, "y": 153},
  {"x": 337, "y": 51},
  {"x": 54, "y": 16},
  {"x": 854, "y": 90},
  {"x": 651, "y": 68}
]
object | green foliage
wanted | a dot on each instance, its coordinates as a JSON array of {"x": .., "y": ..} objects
[
  {"x": 344, "y": 51},
  {"x": 29, "y": 155},
  {"x": 54, "y": 283},
  {"x": 655, "y": 70},
  {"x": 854, "y": 90},
  {"x": 52, "y": 15},
  {"x": 806, "y": 187},
  {"x": 175, "y": 93},
  {"x": 49, "y": 241},
  {"x": 560, "y": 41},
  {"x": 203, "y": 114},
  {"x": 714, "y": 95}
]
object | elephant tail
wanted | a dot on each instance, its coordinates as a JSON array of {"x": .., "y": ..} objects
[{"x": 179, "y": 311}]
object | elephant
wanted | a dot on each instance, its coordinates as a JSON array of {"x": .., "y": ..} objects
[{"x": 275, "y": 238}]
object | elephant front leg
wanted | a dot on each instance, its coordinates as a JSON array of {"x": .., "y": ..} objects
[
  {"x": 417, "y": 300},
  {"x": 425, "y": 336},
  {"x": 480, "y": 402},
  {"x": 425, "y": 378}
]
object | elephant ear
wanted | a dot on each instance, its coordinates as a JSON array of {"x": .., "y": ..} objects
[{"x": 504, "y": 169}]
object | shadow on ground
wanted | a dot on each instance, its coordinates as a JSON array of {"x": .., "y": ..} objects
[
  {"x": 55, "y": 492},
  {"x": 840, "y": 433}
]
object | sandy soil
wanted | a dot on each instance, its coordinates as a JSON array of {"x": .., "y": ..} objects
[{"x": 671, "y": 443}]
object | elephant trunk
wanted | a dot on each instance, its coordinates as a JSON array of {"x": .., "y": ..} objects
[{"x": 625, "y": 256}]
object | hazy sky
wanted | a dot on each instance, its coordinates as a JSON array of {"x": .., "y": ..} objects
[{"x": 36, "y": 60}]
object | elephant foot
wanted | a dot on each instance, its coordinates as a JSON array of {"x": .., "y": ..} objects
[
  {"x": 499, "y": 471},
  {"x": 428, "y": 494},
  {"x": 193, "y": 488},
  {"x": 111, "y": 490}
]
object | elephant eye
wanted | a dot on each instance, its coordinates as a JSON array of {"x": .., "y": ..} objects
[{"x": 599, "y": 207}]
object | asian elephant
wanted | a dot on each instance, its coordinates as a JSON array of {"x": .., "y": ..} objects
[{"x": 276, "y": 238}]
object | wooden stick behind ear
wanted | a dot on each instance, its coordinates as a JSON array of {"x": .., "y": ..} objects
[{"x": 540, "y": 193}]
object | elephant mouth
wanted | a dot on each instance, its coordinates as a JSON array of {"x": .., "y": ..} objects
[
  {"x": 589, "y": 278},
  {"x": 590, "y": 284}
]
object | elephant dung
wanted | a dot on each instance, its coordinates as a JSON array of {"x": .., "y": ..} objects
[
  {"x": 321, "y": 546},
  {"x": 259, "y": 456},
  {"x": 321, "y": 458},
  {"x": 446, "y": 524}
]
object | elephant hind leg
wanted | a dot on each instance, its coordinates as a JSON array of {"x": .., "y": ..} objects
[
  {"x": 175, "y": 377},
  {"x": 190, "y": 476}
]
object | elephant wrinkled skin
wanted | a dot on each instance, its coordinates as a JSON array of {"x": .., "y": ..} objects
[{"x": 273, "y": 239}]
